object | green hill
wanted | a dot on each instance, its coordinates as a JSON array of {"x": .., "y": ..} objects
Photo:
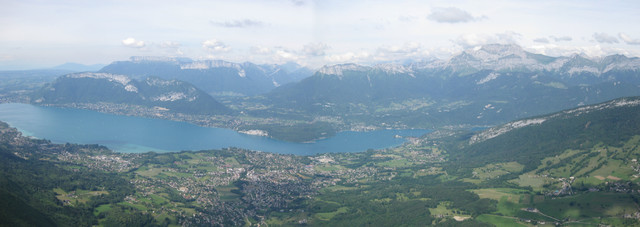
[
  {"x": 530, "y": 140},
  {"x": 176, "y": 96}
]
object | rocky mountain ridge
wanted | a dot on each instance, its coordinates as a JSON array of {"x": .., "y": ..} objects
[
  {"x": 502, "y": 58},
  {"x": 502, "y": 129},
  {"x": 488, "y": 85},
  {"x": 216, "y": 77}
]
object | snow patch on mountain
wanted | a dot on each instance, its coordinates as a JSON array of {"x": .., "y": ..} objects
[
  {"x": 583, "y": 69},
  {"x": 131, "y": 88},
  {"x": 633, "y": 64},
  {"x": 491, "y": 76},
  {"x": 195, "y": 65},
  {"x": 202, "y": 65},
  {"x": 161, "y": 83},
  {"x": 171, "y": 96},
  {"x": 209, "y": 65},
  {"x": 496, "y": 131},
  {"x": 138, "y": 59},
  {"x": 121, "y": 79},
  {"x": 493, "y": 52},
  {"x": 242, "y": 73},
  {"x": 339, "y": 70},
  {"x": 586, "y": 109},
  {"x": 624, "y": 102},
  {"x": 394, "y": 69},
  {"x": 124, "y": 80}
]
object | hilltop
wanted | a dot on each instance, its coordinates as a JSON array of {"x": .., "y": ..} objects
[{"x": 160, "y": 94}]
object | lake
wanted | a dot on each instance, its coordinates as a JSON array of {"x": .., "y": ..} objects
[{"x": 137, "y": 134}]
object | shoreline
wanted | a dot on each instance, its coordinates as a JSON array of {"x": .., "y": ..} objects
[{"x": 171, "y": 137}]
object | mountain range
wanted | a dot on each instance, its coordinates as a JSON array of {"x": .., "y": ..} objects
[
  {"x": 215, "y": 77},
  {"x": 483, "y": 86},
  {"x": 77, "y": 67},
  {"x": 486, "y": 85}
]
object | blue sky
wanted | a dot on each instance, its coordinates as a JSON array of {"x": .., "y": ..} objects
[{"x": 38, "y": 34}]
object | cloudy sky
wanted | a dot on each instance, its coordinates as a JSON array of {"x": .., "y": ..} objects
[{"x": 45, "y": 33}]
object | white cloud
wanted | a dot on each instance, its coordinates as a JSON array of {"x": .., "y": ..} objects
[
  {"x": 473, "y": 40},
  {"x": 409, "y": 51},
  {"x": 214, "y": 45},
  {"x": 508, "y": 37},
  {"x": 348, "y": 27},
  {"x": 353, "y": 57},
  {"x": 628, "y": 39},
  {"x": 170, "y": 45},
  {"x": 285, "y": 55},
  {"x": 170, "y": 48},
  {"x": 452, "y": 15},
  {"x": 407, "y": 18},
  {"x": 238, "y": 23},
  {"x": 260, "y": 50},
  {"x": 131, "y": 42},
  {"x": 406, "y": 48},
  {"x": 591, "y": 51},
  {"x": 307, "y": 55},
  {"x": 562, "y": 38},
  {"x": 604, "y": 38},
  {"x": 541, "y": 40},
  {"x": 315, "y": 49}
]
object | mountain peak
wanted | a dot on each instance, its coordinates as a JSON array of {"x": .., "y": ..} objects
[
  {"x": 496, "y": 51},
  {"x": 207, "y": 64},
  {"x": 339, "y": 69},
  {"x": 175, "y": 95},
  {"x": 615, "y": 58},
  {"x": 394, "y": 68},
  {"x": 290, "y": 66},
  {"x": 580, "y": 56},
  {"x": 495, "y": 57},
  {"x": 217, "y": 77},
  {"x": 501, "y": 49},
  {"x": 138, "y": 59},
  {"x": 122, "y": 79}
]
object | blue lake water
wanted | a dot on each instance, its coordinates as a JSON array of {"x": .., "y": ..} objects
[{"x": 137, "y": 134}]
